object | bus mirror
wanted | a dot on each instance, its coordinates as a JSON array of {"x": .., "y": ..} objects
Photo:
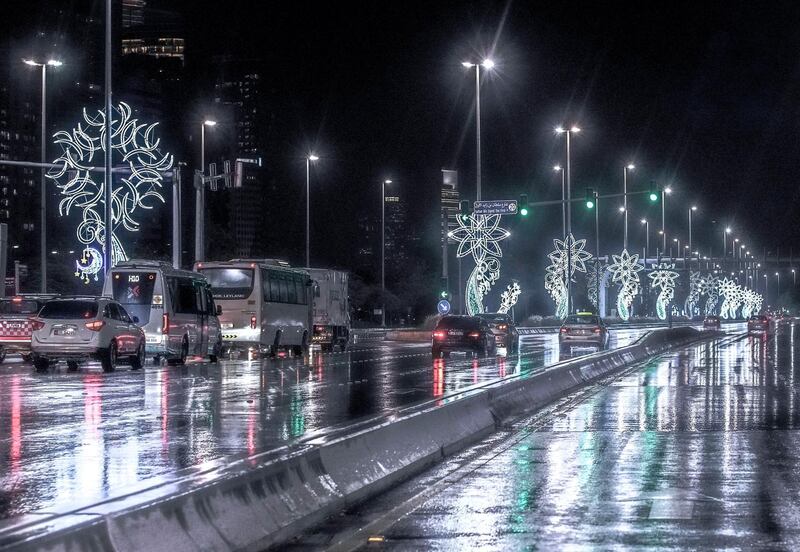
[{"x": 219, "y": 310}]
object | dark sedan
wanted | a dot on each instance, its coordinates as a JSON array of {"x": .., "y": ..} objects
[
  {"x": 711, "y": 323},
  {"x": 583, "y": 330},
  {"x": 462, "y": 333},
  {"x": 505, "y": 332},
  {"x": 758, "y": 323}
]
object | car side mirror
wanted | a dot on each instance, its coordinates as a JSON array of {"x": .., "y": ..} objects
[
  {"x": 135, "y": 319},
  {"x": 219, "y": 310}
]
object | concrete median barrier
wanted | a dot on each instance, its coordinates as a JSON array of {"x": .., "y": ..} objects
[{"x": 252, "y": 503}]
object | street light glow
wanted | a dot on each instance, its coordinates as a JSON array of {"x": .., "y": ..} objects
[
  {"x": 644, "y": 221},
  {"x": 631, "y": 166},
  {"x": 559, "y": 130},
  {"x": 55, "y": 63},
  {"x": 694, "y": 207},
  {"x": 667, "y": 190},
  {"x": 728, "y": 230},
  {"x": 488, "y": 64},
  {"x": 209, "y": 122},
  {"x": 575, "y": 129},
  {"x": 29, "y": 62},
  {"x": 467, "y": 64},
  {"x": 313, "y": 157},
  {"x": 557, "y": 168},
  {"x": 385, "y": 181},
  {"x": 621, "y": 209}
]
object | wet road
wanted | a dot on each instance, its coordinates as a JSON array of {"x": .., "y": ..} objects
[
  {"x": 74, "y": 438},
  {"x": 699, "y": 449}
]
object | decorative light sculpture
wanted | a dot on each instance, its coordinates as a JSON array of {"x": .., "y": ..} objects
[
  {"x": 625, "y": 271},
  {"x": 556, "y": 273},
  {"x": 728, "y": 291},
  {"x": 663, "y": 277},
  {"x": 690, "y": 306},
  {"x": 709, "y": 287},
  {"x": 509, "y": 297},
  {"x": 595, "y": 280},
  {"x": 480, "y": 236},
  {"x": 137, "y": 147}
]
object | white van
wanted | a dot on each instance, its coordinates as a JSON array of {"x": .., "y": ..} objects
[
  {"x": 175, "y": 308},
  {"x": 265, "y": 304}
]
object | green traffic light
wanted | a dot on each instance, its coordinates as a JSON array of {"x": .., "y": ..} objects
[
  {"x": 443, "y": 295},
  {"x": 589, "y": 204},
  {"x": 524, "y": 211},
  {"x": 653, "y": 196}
]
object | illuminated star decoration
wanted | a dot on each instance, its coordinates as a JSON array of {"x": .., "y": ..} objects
[
  {"x": 752, "y": 303},
  {"x": 625, "y": 271},
  {"x": 595, "y": 279},
  {"x": 138, "y": 189},
  {"x": 690, "y": 305},
  {"x": 509, "y": 297},
  {"x": 729, "y": 293},
  {"x": 480, "y": 236},
  {"x": 555, "y": 281},
  {"x": 663, "y": 277}
]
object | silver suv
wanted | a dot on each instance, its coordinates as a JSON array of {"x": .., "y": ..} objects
[{"x": 78, "y": 329}]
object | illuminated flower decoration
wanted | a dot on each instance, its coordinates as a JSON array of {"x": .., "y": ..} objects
[
  {"x": 479, "y": 235},
  {"x": 690, "y": 305},
  {"x": 728, "y": 290},
  {"x": 752, "y": 303},
  {"x": 509, "y": 297},
  {"x": 663, "y": 277},
  {"x": 709, "y": 288},
  {"x": 595, "y": 279},
  {"x": 555, "y": 281},
  {"x": 139, "y": 187},
  {"x": 625, "y": 271},
  {"x": 480, "y": 281}
]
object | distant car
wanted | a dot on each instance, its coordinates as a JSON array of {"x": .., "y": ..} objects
[
  {"x": 15, "y": 326},
  {"x": 505, "y": 332},
  {"x": 462, "y": 333},
  {"x": 583, "y": 330},
  {"x": 78, "y": 329},
  {"x": 711, "y": 323},
  {"x": 758, "y": 323}
]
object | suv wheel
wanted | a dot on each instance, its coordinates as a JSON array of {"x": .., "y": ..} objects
[
  {"x": 109, "y": 358},
  {"x": 40, "y": 364},
  {"x": 138, "y": 360},
  {"x": 184, "y": 353}
]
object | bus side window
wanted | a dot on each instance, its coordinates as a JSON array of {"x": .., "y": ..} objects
[
  {"x": 274, "y": 291},
  {"x": 284, "y": 287},
  {"x": 265, "y": 285},
  {"x": 201, "y": 306},
  {"x": 300, "y": 289},
  {"x": 292, "y": 289},
  {"x": 185, "y": 298}
]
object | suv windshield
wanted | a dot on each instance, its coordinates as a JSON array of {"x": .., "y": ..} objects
[
  {"x": 69, "y": 309},
  {"x": 582, "y": 320},
  {"x": 12, "y": 306},
  {"x": 458, "y": 323}
]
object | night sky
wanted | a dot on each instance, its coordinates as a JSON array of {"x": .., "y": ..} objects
[{"x": 700, "y": 97}]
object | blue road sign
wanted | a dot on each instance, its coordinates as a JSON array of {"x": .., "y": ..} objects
[
  {"x": 495, "y": 207},
  {"x": 443, "y": 306}
]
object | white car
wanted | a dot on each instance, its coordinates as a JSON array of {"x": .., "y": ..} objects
[{"x": 78, "y": 329}]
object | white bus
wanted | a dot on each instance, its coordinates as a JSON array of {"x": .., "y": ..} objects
[
  {"x": 265, "y": 304},
  {"x": 175, "y": 308}
]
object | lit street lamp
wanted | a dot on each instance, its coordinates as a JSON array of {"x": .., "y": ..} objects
[
  {"x": 664, "y": 193},
  {"x": 200, "y": 197},
  {"x": 311, "y": 157},
  {"x": 725, "y": 242},
  {"x": 487, "y": 64},
  {"x": 646, "y": 238},
  {"x": 794, "y": 278},
  {"x": 778, "y": 290},
  {"x": 625, "y": 169},
  {"x": 383, "y": 251},
  {"x": 574, "y": 129},
  {"x": 43, "y": 205}
]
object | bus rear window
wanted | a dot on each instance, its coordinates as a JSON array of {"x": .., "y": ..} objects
[
  {"x": 229, "y": 283},
  {"x": 134, "y": 288}
]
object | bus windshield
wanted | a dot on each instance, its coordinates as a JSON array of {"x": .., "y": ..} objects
[{"x": 229, "y": 283}]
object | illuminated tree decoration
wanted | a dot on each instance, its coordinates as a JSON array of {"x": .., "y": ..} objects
[
  {"x": 555, "y": 281},
  {"x": 139, "y": 187},
  {"x": 509, "y": 297},
  {"x": 594, "y": 280},
  {"x": 663, "y": 277},
  {"x": 691, "y": 305},
  {"x": 709, "y": 288},
  {"x": 625, "y": 271},
  {"x": 480, "y": 236}
]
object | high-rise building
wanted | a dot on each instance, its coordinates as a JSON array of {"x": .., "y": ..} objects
[
  {"x": 449, "y": 202},
  {"x": 150, "y": 31}
]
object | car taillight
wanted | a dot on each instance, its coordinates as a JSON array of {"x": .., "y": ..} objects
[
  {"x": 165, "y": 323},
  {"x": 36, "y": 324},
  {"x": 253, "y": 322},
  {"x": 474, "y": 334},
  {"x": 564, "y": 330},
  {"x": 95, "y": 325},
  {"x": 502, "y": 327},
  {"x": 597, "y": 330},
  {"x": 438, "y": 335}
]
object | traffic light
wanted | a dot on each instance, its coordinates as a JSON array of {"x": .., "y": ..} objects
[
  {"x": 443, "y": 293},
  {"x": 653, "y": 191},
  {"x": 523, "y": 205},
  {"x": 464, "y": 206},
  {"x": 590, "y": 198}
]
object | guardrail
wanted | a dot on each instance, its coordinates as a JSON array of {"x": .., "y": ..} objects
[{"x": 259, "y": 501}]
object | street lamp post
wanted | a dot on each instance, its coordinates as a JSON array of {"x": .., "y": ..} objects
[
  {"x": 794, "y": 278},
  {"x": 383, "y": 251},
  {"x": 558, "y": 168},
  {"x": 487, "y": 64},
  {"x": 625, "y": 169},
  {"x": 309, "y": 158},
  {"x": 200, "y": 198},
  {"x": 574, "y": 129},
  {"x": 678, "y": 241},
  {"x": 766, "y": 288},
  {"x": 43, "y": 190},
  {"x": 691, "y": 210},
  {"x": 666, "y": 191},
  {"x": 725, "y": 242},
  {"x": 646, "y": 239},
  {"x": 778, "y": 287}
]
